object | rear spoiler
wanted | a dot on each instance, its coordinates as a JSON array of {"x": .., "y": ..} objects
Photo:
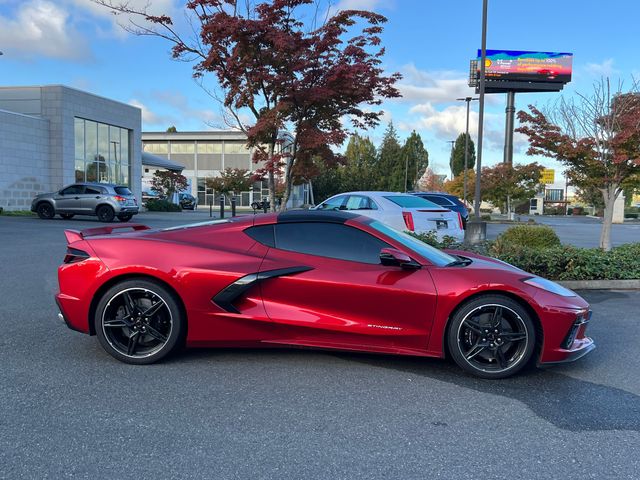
[{"x": 75, "y": 235}]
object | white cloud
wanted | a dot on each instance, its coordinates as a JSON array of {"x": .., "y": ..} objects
[
  {"x": 150, "y": 118},
  {"x": 176, "y": 110},
  {"x": 603, "y": 69},
  {"x": 41, "y": 28},
  {"x": 152, "y": 7},
  {"x": 446, "y": 123},
  {"x": 421, "y": 86},
  {"x": 371, "y": 5}
]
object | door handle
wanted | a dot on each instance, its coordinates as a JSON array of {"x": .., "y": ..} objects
[
  {"x": 98, "y": 196},
  {"x": 76, "y": 198}
]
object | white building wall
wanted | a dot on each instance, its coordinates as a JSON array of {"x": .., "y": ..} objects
[
  {"x": 52, "y": 108},
  {"x": 24, "y": 159}
]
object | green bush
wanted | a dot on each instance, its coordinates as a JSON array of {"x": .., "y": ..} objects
[
  {"x": 571, "y": 263},
  {"x": 154, "y": 205},
  {"x": 485, "y": 217},
  {"x": 630, "y": 215},
  {"x": 431, "y": 238},
  {"x": 528, "y": 236}
]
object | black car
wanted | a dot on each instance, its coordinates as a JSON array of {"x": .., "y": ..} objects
[
  {"x": 187, "y": 201},
  {"x": 446, "y": 200}
]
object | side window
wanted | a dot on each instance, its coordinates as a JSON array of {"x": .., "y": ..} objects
[
  {"x": 262, "y": 234},
  {"x": 73, "y": 190},
  {"x": 93, "y": 191},
  {"x": 331, "y": 240},
  {"x": 333, "y": 203},
  {"x": 358, "y": 202}
]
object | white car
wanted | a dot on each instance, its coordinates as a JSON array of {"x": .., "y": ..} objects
[{"x": 400, "y": 211}]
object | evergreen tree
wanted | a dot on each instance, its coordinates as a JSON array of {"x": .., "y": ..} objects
[
  {"x": 456, "y": 162},
  {"x": 359, "y": 172},
  {"x": 390, "y": 161},
  {"x": 415, "y": 160}
]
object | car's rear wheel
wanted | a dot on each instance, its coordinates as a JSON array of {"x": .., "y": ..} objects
[
  {"x": 124, "y": 218},
  {"x": 139, "y": 321},
  {"x": 492, "y": 337},
  {"x": 67, "y": 216},
  {"x": 45, "y": 211},
  {"x": 105, "y": 213}
]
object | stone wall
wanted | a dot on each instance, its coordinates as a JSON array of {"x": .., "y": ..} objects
[{"x": 24, "y": 159}]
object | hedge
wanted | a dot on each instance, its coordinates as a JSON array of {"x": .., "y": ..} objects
[
  {"x": 154, "y": 205},
  {"x": 535, "y": 250}
]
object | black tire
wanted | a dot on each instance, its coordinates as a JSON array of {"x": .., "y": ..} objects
[
  {"x": 127, "y": 334},
  {"x": 67, "y": 216},
  {"x": 105, "y": 213},
  {"x": 45, "y": 211},
  {"x": 492, "y": 337},
  {"x": 125, "y": 218}
]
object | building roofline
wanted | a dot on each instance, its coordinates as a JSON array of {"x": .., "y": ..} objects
[{"x": 9, "y": 87}]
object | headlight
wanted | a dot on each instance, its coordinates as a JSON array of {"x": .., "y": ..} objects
[{"x": 549, "y": 286}]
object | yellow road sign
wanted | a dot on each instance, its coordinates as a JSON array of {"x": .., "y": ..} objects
[{"x": 548, "y": 176}]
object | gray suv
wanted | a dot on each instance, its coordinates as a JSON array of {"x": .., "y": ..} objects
[{"x": 104, "y": 200}]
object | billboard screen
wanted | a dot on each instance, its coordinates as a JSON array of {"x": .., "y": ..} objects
[{"x": 521, "y": 66}]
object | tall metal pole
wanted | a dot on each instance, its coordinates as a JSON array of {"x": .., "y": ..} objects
[
  {"x": 466, "y": 147},
  {"x": 483, "y": 59},
  {"x": 509, "y": 124}
]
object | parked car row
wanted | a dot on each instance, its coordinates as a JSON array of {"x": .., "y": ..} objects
[{"x": 403, "y": 211}]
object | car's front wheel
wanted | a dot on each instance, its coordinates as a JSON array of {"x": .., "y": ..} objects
[
  {"x": 45, "y": 211},
  {"x": 492, "y": 337},
  {"x": 139, "y": 321},
  {"x": 105, "y": 213}
]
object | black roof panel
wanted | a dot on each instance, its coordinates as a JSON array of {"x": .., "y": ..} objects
[{"x": 330, "y": 216}]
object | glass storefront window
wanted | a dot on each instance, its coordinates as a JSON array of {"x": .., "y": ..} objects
[
  {"x": 235, "y": 147},
  {"x": 79, "y": 139},
  {"x": 204, "y": 147},
  {"x": 79, "y": 166},
  {"x": 124, "y": 145},
  {"x": 91, "y": 141},
  {"x": 101, "y": 152},
  {"x": 183, "y": 147},
  {"x": 103, "y": 142}
]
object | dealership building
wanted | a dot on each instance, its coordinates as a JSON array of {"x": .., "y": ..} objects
[
  {"x": 54, "y": 135},
  {"x": 204, "y": 155}
]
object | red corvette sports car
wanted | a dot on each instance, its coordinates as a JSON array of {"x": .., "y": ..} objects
[{"x": 323, "y": 279}]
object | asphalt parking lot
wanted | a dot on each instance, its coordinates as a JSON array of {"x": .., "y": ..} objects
[{"x": 67, "y": 409}]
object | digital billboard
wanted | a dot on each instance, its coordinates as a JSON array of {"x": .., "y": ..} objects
[{"x": 522, "y": 66}]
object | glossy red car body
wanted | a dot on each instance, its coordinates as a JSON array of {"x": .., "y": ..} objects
[{"x": 333, "y": 303}]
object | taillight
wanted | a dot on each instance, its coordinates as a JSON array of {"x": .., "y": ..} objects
[
  {"x": 74, "y": 255},
  {"x": 408, "y": 220},
  {"x": 460, "y": 224},
  {"x": 120, "y": 199}
]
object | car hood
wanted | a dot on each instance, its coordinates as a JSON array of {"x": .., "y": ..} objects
[{"x": 482, "y": 262}]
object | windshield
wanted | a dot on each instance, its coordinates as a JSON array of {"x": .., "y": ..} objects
[
  {"x": 435, "y": 256},
  {"x": 411, "y": 201}
]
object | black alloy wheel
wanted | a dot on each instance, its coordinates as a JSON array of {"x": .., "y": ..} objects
[
  {"x": 67, "y": 216},
  {"x": 492, "y": 337},
  {"x": 105, "y": 213},
  {"x": 139, "y": 322},
  {"x": 45, "y": 211},
  {"x": 125, "y": 218}
]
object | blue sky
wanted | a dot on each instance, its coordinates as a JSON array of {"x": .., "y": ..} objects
[{"x": 78, "y": 43}]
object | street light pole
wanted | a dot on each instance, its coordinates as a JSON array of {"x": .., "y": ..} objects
[{"x": 466, "y": 148}]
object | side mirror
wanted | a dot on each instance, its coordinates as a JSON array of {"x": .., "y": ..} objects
[{"x": 392, "y": 257}]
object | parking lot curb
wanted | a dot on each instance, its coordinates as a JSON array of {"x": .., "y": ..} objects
[{"x": 601, "y": 284}]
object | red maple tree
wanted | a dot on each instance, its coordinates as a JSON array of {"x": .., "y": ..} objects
[
  {"x": 287, "y": 75},
  {"x": 597, "y": 139}
]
